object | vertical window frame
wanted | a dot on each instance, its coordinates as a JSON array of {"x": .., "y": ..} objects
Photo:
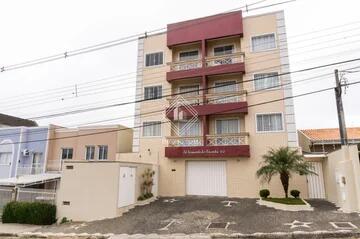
[
  {"x": 153, "y": 53},
  {"x": 151, "y": 136},
  {"x": 152, "y": 87},
  {"x": 267, "y": 89},
  {"x": 271, "y": 131},
  {"x": 261, "y": 35}
]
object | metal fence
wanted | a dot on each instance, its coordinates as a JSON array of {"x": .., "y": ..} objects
[
  {"x": 5, "y": 197},
  {"x": 36, "y": 195}
]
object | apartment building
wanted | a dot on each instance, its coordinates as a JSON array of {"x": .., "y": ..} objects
[{"x": 205, "y": 120}]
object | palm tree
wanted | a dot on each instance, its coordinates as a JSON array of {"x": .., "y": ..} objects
[{"x": 283, "y": 161}]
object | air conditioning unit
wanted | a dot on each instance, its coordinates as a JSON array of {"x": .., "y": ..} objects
[{"x": 26, "y": 152}]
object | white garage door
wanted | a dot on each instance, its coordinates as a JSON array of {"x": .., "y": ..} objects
[{"x": 206, "y": 178}]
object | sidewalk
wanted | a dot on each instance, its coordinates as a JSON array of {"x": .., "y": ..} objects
[{"x": 9, "y": 228}]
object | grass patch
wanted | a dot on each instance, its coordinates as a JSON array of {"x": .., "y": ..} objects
[{"x": 288, "y": 201}]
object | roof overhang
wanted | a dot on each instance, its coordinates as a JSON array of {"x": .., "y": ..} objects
[{"x": 29, "y": 180}]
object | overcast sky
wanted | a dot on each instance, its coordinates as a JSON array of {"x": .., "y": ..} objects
[{"x": 33, "y": 29}]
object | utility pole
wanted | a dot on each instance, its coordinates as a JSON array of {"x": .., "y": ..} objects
[{"x": 340, "y": 109}]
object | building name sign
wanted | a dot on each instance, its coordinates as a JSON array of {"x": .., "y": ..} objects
[
  {"x": 208, "y": 151},
  {"x": 203, "y": 151}
]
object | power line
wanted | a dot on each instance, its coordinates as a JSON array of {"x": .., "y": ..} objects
[
  {"x": 112, "y": 43},
  {"x": 256, "y": 92},
  {"x": 168, "y": 95},
  {"x": 161, "y": 122},
  {"x": 67, "y": 88},
  {"x": 100, "y": 90}
]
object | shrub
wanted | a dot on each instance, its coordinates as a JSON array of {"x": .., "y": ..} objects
[
  {"x": 295, "y": 193},
  {"x": 141, "y": 198},
  {"x": 36, "y": 213},
  {"x": 64, "y": 220},
  {"x": 264, "y": 193}
]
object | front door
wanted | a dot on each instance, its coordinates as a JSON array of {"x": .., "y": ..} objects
[
  {"x": 316, "y": 181},
  {"x": 126, "y": 186}
]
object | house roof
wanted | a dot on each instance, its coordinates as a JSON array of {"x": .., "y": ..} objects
[
  {"x": 330, "y": 134},
  {"x": 9, "y": 120},
  {"x": 28, "y": 180}
]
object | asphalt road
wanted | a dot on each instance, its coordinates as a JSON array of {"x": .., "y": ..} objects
[{"x": 194, "y": 214}]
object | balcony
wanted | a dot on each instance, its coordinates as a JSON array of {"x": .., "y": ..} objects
[
  {"x": 224, "y": 145},
  {"x": 215, "y": 103},
  {"x": 214, "y": 65}
]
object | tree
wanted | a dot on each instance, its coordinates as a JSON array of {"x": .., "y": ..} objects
[{"x": 283, "y": 161}]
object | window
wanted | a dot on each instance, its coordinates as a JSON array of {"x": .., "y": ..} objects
[
  {"x": 269, "y": 122},
  {"x": 67, "y": 153},
  {"x": 5, "y": 158},
  {"x": 90, "y": 152},
  {"x": 152, "y": 92},
  {"x": 152, "y": 128},
  {"x": 154, "y": 59},
  {"x": 223, "y": 50},
  {"x": 266, "y": 81},
  {"x": 227, "y": 126},
  {"x": 188, "y": 55},
  {"x": 103, "y": 152},
  {"x": 263, "y": 43}
]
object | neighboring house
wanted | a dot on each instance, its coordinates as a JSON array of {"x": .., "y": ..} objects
[
  {"x": 91, "y": 177},
  {"x": 8, "y": 121},
  {"x": 87, "y": 143},
  {"x": 23, "y": 151},
  {"x": 215, "y": 144},
  {"x": 337, "y": 167},
  {"x": 326, "y": 140}
]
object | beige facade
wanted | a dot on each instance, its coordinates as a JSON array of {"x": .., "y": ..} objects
[
  {"x": 118, "y": 139},
  {"x": 240, "y": 171},
  {"x": 90, "y": 190}
]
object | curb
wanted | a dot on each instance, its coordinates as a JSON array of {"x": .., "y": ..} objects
[
  {"x": 257, "y": 235},
  {"x": 292, "y": 235}
]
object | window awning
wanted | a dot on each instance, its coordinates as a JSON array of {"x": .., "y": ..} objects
[{"x": 29, "y": 180}]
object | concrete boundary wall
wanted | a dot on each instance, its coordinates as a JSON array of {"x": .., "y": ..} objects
[
  {"x": 341, "y": 171},
  {"x": 90, "y": 190}
]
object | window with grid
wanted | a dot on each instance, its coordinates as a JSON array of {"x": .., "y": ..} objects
[
  {"x": 263, "y": 42},
  {"x": 154, "y": 59},
  {"x": 266, "y": 81},
  {"x": 103, "y": 152},
  {"x": 269, "y": 122},
  {"x": 152, "y": 92},
  {"x": 90, "y": 152},
  {"x": 227, "y": 126},
  {"x": 188, "y": 55},
  {"x": 152, "y": 128},
  {"x": 67, "y": 153}
]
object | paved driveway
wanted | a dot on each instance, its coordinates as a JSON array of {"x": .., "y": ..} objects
[{"x": 194, "y": 214}]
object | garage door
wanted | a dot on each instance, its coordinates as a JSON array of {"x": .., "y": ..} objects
[{"x": 206, "y": 178}]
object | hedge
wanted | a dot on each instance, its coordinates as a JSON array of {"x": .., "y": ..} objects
[{"x": 36, "y": 213}]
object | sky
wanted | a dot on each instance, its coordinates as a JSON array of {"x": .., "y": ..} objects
[{"x": 319, "y": 32}]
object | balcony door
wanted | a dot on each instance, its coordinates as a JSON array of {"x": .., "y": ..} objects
[
  {"x": 226, "y": 127},
  {"x": 190, "y": 133},
  {"x": 228, "y": 88},
  {"x": 222, "y": 51},
  {"x": 190, "y": 93}
]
